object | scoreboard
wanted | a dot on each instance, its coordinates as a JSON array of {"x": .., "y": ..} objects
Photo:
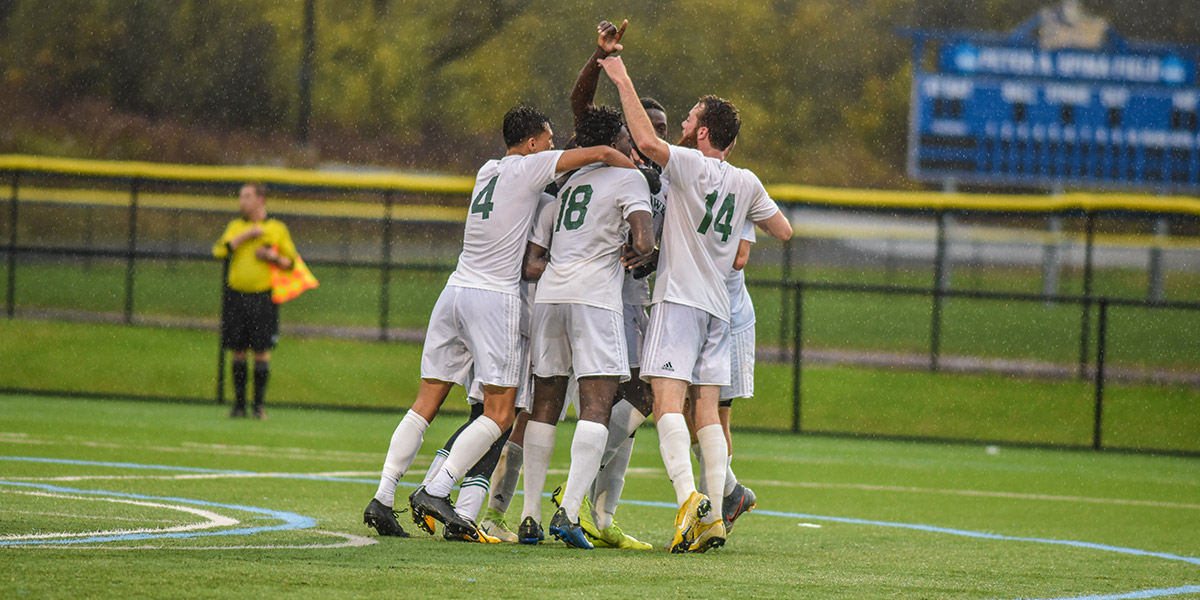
[{"x": 1004, "y": 110}]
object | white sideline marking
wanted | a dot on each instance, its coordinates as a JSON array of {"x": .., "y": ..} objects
[
  {"x": 75, "y": 516},
  {"x": 212, "y": 519},
  {"x": 980, "y": 493},
  {"x": 349, "y": 540},
  {"x": 195, "y": 476}
]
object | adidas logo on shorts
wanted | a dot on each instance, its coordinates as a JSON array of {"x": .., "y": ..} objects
[{"x": 668, "y": 367}]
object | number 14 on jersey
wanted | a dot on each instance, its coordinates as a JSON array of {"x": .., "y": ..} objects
[{"x": 724, "y": 217}]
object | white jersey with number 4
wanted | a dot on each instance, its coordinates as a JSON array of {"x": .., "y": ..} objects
[
  {"x": 502, "y": 207},
  {"x": 585, "y": 260},
  {"x": 708, "y": 202}
]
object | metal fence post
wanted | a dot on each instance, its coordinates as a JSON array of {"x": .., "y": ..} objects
[
  {"x": 1101, "y": 348},
  {"x": 784, "y": 296},
  {"x": 1155, "y": 284},
  {"x": 797, "y": 344},
  {"x": 12, "y": 246},
  {"x": 1050, "y": 262},
  {"x": 221, "y": 330},
  {"x": 385, "y": 274},
  {"x": 939, "y": 287},
  {"x": 1089, "y": 250},
  {"x": 130, "y": 259}
]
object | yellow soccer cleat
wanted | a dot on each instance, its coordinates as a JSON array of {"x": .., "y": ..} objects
[
  {"x": 696, "y": 507},
  {"x": 708, "y": 536},
  {"x": 496, "y": 526},
  {"x": 613, "y": 537}
]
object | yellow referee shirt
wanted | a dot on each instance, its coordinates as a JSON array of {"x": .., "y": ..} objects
[{"x": 248, "y": 274}]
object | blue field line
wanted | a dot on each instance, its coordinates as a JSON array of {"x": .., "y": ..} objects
[
  {"x": 294, "y": 521},
  {"x": 290, "y": 520}
]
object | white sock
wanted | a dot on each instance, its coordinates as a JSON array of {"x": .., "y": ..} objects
[
  {"x": 623, "y": 421},
  {"x": 406, "y": 441},
  {"x": 702, "y": 483},
  {"x": 470, "y": 497},
  {"x": 471, "y": 445},
  {"x": 609, "y": 483},
  {"x": 539, "y": 447},
  {"x": 587, "y": 447},
  {"x": 716, "y": 461},
  {"x": 730, "y": 478},
  {"x": 435, "y": 466},
  {"x": 508, "y": 470},
  {"x": 673, "y": 444}
]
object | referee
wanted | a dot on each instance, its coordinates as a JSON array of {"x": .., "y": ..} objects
[{"x": 250, "y": 321}]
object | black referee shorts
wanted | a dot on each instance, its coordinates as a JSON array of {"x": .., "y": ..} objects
[{"x": 251, "y": 321}]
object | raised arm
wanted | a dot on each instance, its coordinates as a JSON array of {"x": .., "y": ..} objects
[
  {"x": 584, "y": 92},
  {"x": 580, "y": 157},
  {"x": 777, "y": 226},
  {"x": 635, "y": 116}
]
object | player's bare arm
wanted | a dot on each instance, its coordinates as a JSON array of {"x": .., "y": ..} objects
[
  {"x": 641, "y": 231},
  {"x": 743, "y": 254},
  {"x": 584, "y": 92},
  {"x": 636, "y": 118},
  {"x": 576, "y": 158},
  {"x": 534, "y": 262},
  {"x": 777, "y": 226}
]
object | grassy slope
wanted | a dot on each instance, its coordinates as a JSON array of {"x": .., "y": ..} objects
[
  {"x": 1143, "y": 502},
  {"x": 320, "y": 371}
]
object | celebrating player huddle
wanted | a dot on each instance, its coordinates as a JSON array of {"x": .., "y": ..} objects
[{"x": 584, "y": 224}]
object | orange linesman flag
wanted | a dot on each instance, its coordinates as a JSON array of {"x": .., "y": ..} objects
[{"x": 288, "y": 284}]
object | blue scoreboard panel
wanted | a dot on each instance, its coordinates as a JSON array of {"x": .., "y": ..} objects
[{"x": 998, "y": 111}]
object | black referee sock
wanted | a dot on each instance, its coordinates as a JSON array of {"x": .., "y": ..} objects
[
  {"x": 262, "y": 372},
  {"x": 239, "y": 383}
]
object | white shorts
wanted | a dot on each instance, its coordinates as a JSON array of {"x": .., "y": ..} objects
[
  {"x": 576, "y": 337},
  {"x": 524, "y": 388},
  {"x": 686, "y": 343},
  {"x": 473, "y": 326},
  {"x": 741, "y": 365},
  {"x": 636, "y": 320}
]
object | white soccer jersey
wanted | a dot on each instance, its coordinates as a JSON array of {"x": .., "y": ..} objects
[
  {"x": 636, "y": 292},
  {"x": 707, "y": 203},
  {"x": 589, "y": 230},
  {"x": 741, "y": 309},
  {"x": 502, "y": 207}
]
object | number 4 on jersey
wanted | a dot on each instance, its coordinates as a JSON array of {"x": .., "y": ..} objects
[
  {"x": 483, "y": 201},
  {"x": 724, "y": 218}
]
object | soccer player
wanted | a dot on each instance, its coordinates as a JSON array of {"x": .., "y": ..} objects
[
  {"x": 737, "y": 498},
  {"x": 476, "y": 320},
  {"x": 250, "y": 321},
  {"x": 687, "y": 345},
  {"x": 577, "y": 321},
  {"x": 634, "y": 402}
]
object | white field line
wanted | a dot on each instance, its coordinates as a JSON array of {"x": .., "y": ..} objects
[
  {"x": 211, "y": 519},
  {"x": 975, "y": 493},
  {"x": 349, "y": 540},
  {"x": 191, "y": 447},
  {"x": 76, "y": 516},
  {"x": 183, "y": 476}
]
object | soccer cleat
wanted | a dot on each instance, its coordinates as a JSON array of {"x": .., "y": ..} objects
[
  {"x": 456, "y": 533},
  {"x": 383, "y": 519},
  {"x": 260, "y": 413},
  {"x": 571, "y": 533},
  {"x": 557, "y": 494},
  {"x": 708, "y": 536},
  {"x": 237, "y": 412},
  {"x": 741, "y": 500},
  {"x": 426, "y": 507},
  {"x": 530, "y": 532},
  {"x": 613, "y": 537},
  {"x": 696, "y": 507},
  {"x": 494, "y": 525},
  {"x": 585, "y": 512}
]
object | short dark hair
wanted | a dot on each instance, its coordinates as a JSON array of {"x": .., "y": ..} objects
[
  {"x": 722, "y": 119},
  {"x": 652, "y": 104},
  {"x": 260, "y": 189},
  {"x": 522, "y": 123},
  {"x": 598, "y": 126}
]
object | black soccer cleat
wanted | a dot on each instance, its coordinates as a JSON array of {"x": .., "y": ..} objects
[
  {"x": 383, "y": 519},
  {"x": 530, "y": 532},
  {"x": 740, "y": 501},
  {"x": 424, "y": 505},
  {"x": 572, "y": 534}
]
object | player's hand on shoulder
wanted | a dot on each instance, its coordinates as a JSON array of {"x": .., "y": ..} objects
[{"x": 610, "y": 36}]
